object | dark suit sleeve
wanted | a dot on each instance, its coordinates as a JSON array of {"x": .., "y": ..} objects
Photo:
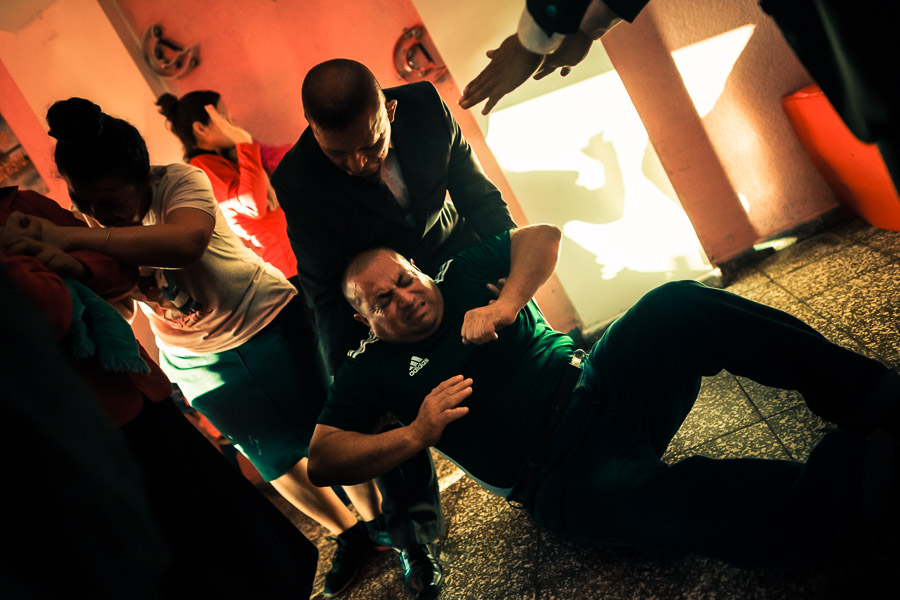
[
  {"x": 564, "y": 16},
  {"x": 476, "y": 198},
  {"x": 320, "y": 263}
]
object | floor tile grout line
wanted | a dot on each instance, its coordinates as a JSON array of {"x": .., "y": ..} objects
[{"x": 829, "y": 319}]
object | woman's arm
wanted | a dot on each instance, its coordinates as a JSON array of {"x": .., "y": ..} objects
[
  {"x": 245, "y": 195},
  {"x": 178, "y": 242}
]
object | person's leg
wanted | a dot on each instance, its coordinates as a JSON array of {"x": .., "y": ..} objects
[
  {"x": 607, "y": 484},
  {"x": 682, "y": 331},
  {"x": 265, "y": 396},
  {"x": 366, "y": 499},
  {"x": 319, "y": 503}
]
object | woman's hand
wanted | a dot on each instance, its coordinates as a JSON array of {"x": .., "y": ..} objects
[
  {"x": 229, "y": 129},
  {"x": 24, "y": 235},
  {"x": 22, "y": 231}
]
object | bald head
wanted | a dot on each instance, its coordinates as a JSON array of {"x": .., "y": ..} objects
[
  {"x": 336, "y": 92},
  {"x": 398, "y": 302}
]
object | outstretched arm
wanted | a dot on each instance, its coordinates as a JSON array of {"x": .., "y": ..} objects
[
  {"x": 535, "y": 51},
  {"x": 339, "y": 457},
  {"x": 179, "y": 242},
  {"x": 534, "y": 252}
]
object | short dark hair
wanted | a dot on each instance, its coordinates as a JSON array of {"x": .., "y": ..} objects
[
  {"x": 336, "y": 92},
  {"x": 182, "y": 114},
  {"x": 92, "y": 145}
]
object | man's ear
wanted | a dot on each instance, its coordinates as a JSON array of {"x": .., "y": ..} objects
[
  {"x": 391, "y": 107},
  {"x": 362, "y": 320}
]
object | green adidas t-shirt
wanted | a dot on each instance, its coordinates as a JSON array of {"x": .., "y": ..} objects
[{"x": 514, "y": 377}]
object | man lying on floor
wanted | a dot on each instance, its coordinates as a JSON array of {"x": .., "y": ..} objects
[{"x": 486, "y": 381}]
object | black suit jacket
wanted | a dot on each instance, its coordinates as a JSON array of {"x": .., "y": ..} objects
[
  {"x": 332, "y": 216},
  {"x": 564, "y": 16}
]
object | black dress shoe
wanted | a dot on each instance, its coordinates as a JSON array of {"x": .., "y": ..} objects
[{"x": 422, "y": 572}]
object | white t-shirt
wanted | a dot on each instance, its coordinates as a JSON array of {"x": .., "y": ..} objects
[{"x": 228, "y": 295}]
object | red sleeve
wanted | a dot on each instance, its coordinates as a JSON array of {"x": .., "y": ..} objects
[
  {"x": 243, "y": 193},
  {"x": 106, "y": 276},
  {"x": 44, "y": 288}
]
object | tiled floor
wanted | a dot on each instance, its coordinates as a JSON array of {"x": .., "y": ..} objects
[{"x": 846, "y": 283}]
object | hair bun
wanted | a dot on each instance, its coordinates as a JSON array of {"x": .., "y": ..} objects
[
  {"x": 75, "y": 119},
  {"x": 168, "y": 106}
]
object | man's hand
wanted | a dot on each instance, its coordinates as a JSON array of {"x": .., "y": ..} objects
[
  {"x": 440, "y": 408},
  {"x": 511, "y": 65},
  {"x": 572, "y": 51},
  {"x": 480, "y": 325}
]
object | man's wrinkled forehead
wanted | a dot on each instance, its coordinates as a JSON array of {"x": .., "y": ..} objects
[{"x": 379, "y": 274}]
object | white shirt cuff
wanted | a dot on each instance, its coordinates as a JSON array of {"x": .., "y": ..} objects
[
  {"x": 596, "y": 20},
  {"x": 533, "y": 38}
]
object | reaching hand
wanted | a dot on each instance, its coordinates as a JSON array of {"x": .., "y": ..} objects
[
  {"x": 480, "y": 325},
  {"x": 440, "y": 408},
  {"x": 23, "y": 235},
  {"x": 572, "y": 51},
  {"x": 229, "y": 129},
  {"x": 511, "y": 65}
]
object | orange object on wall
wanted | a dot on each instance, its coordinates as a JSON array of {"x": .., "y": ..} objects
[{"x": 853, "y": 169}]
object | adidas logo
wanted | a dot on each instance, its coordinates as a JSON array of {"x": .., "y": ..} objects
[{"x": 416, "y": 364}]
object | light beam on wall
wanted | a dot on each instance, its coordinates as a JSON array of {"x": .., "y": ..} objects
[
  {"x": 590, "y": 135},
  {"x": 705, "y": 66},
  {"x": 580, "y": 157}
]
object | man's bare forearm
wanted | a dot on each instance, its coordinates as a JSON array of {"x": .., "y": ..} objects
[
  {"x": 339, "y": 457},
  {"x": 534, "y": 252}
]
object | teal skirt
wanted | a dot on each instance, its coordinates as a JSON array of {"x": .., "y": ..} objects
[{"x": 264, "y": 396}]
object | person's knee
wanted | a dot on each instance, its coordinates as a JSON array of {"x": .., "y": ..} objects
[{"x": 666, "y": 300}]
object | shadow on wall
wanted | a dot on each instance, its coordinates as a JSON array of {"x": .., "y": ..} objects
[{"x": 616, "y": 245}]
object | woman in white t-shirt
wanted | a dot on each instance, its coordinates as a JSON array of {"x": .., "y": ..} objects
[{"x": 231, "y": 330}]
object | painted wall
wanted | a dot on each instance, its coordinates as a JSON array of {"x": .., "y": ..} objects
[
  {"x": 71, "y": 49},
  {"x": 576, "y": 154},
  {"x": 751, "y": 179},
  {"x": 256, "y": 54},
  {"x": 745, "y": 126},
  {"x": 738, "y": 151}
]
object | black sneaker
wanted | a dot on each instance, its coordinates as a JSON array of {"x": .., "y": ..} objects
[{"x": 353, "y": 546}]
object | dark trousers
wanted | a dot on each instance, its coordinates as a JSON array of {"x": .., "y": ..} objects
[
  {"x": 604, "y": 482},
  {"x": 411, "y": 502}
]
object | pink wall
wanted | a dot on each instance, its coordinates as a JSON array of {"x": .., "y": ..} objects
[
  {"x": 744, "y": 144},
  {"x": 30, "y": 133}
]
